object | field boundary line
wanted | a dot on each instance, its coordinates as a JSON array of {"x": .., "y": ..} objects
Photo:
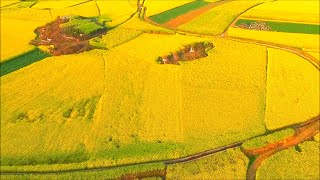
[
  {"x": 10, "y": 5},
  {"x": 315, "y": 62},
  {"x": 225, "y": 32},
  {"x": 78, "y": 4}
]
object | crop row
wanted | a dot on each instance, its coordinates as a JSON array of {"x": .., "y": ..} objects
[
  {"x": 177, "y": 11},
  {"x": 216, "y": 20}
]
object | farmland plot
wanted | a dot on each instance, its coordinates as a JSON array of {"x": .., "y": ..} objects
[
  {"x": 117, "y": 11},
  {"x": 216, "y": 20},
  {"x": 27, "y": 14},
  {"x": 45, "y": 117},
  {"x": 14, "y": 39},
  {"x": 135, "y": 23},
  {"x": 117, "y": 106},
  {"x": 279, "y": 26},
  {"x": 289, "y": 39},
  {"x": 230, "y": 164},
  {"x": 216, "y": 87},
  {"x": 297, "y": 99},
  {"x": 88, "y": 9},
  {"x": 301, "y": 162},
  {"x": 290, "y": 11},
  {"x": 59, "y": 4},
  {"x": 5, "y": 3},
  {"x": 155, "y": 7},
  {"x": 177, "y": 11}
]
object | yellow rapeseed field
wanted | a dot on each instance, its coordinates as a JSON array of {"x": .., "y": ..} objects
[
  {"x": 317, "y": 137},
  {"x": 155, "y": 7},
  {"x": 292, "y": 89},
  {"x": 116, "y": 9},
  {"x": 216, "y": 20},
  {"x": 155, "y": 103},
  {"x": 57, "y": 4},
  {"x": 135, "y": 23},
  {"x": 118, "y": 36},
  {"x": 47, "y": 108},
  {"x": 8, "y": 2},
  {"x": 315, "y": 54},
  {"x": 288, "y": 39},
  {"x": 117, "y": 105},
  {"x": 147, "y": 94},
  {"x": 15, "y": 36},
  {"x": 60, "y": 108},
  {"x": 150, "y": 46},
  {"x": 292, "y": 11},
  {"x": 88, "y": 9},
  {"x": 27, "y": 14},
  {"x": 224, "y": 94}
]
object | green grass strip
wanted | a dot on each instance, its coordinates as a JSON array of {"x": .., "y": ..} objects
[
  {"x": 112, "y": 173},
  {"x": 175, "y": 12},
  {"x": 261, "y": 141},
  {"x": 285, "y": 26},
  {"x": 22, "y": 61}
]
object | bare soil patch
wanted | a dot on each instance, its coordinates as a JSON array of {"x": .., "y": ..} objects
[{"x": 59, "y": 41}]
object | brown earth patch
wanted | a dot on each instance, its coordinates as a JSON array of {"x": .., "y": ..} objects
[
  {"x": 176, "y": 22},
  {"x": 59, "y": 41}
]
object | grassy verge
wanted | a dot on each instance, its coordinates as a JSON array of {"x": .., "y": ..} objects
[
  {"x": 229, "y": 164},
  {"x": 285, "y": 26},
  {"x": 265, "y": 140},
  {"x": 22, "y": 61},
  {"x": 111, "y": 173},
  {"x": 175, "y": 12}
]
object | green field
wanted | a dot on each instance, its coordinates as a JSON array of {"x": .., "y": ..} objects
[
  {"x": 22, "y": 61},
  {"x": 175, "y": 12},
  {"x": 285, "y": 26}
]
